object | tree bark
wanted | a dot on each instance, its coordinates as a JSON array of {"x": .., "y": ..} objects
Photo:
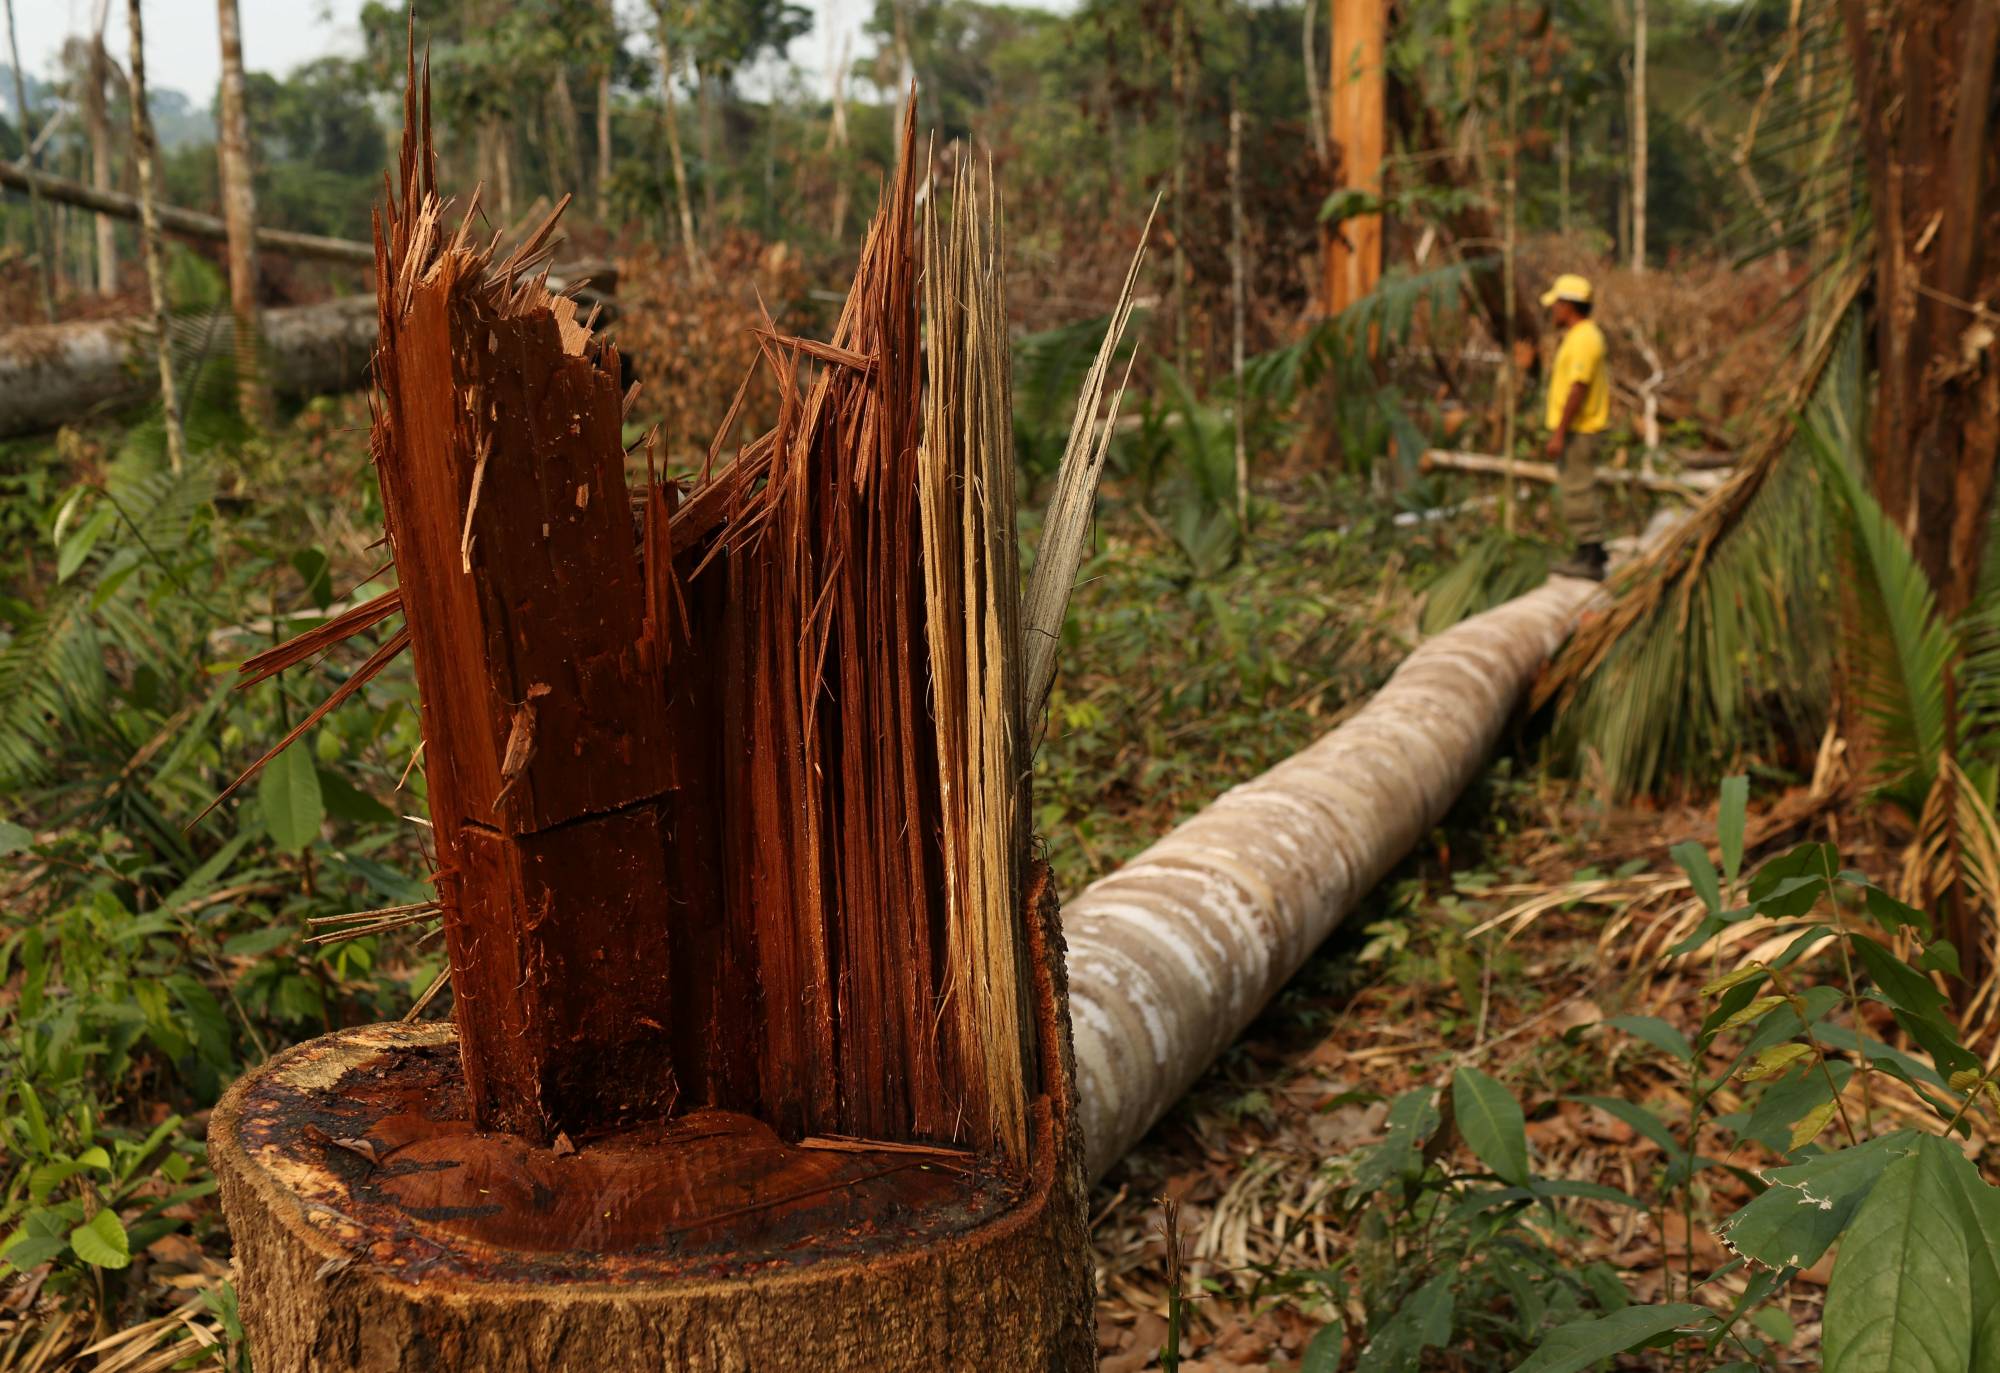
[
  {"x": 1924, "y": 75},
  {"x": 1174, "y": 954},
  {"x": 144, "y": 156},
  {"x": 1356, "y": 101},
  {"x": 97, "y": 123},
  {"x": 604, "y": 117},
  {"x": 239, "y": 213}
]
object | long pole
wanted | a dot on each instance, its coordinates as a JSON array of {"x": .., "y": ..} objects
[
  {"x": 1638, "y": 136},
  {"x": 1508, "y": 368},
  {"x": 1237, "y": 305},
  {"x": 143, "y": 154}
]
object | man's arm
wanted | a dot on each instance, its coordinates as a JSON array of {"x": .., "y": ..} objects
[{"x": 1573, "y": 402}]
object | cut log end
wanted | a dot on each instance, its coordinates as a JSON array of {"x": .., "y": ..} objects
[{"x": 377, "y": 1229}]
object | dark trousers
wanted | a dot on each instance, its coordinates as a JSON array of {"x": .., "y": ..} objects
[{"x": 1582, "y": 503}]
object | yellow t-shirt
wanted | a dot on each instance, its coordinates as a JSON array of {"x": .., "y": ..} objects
[{"x": 1580, "y": 361}]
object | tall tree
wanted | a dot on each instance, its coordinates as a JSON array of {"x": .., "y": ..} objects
[
  {"x": 1639, "y": 138},
  {"x": 608, "y": 52},
  {"x": 1924, "y": 75},
  {"x": 96, "y": 80},
  {"x": 1356, "y": 102},
  {"x": 239, "y": 212},
  {"x": 664, "y": 12},
  {"x": 145, "y": 156}
]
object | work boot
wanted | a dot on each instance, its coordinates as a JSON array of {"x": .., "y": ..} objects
[{"x": 1587, "y": 562}]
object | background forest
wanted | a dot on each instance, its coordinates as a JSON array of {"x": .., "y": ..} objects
[{"x": 1282, "y": 521}]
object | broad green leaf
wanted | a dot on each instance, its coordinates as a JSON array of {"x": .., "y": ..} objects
[
  {"x": 1694, "y": 861},
  {"x": 1412, "y": 1118},
  {"x": 1901, "y": 985},
  {"x": 1582, "y": 1344},
  {"x": 1808, "y": 1204},
  {"x": 345, "y": 801},
  {"x": 1939, "y": 956},
  {"x": 1977, "y": 1203},
  {"x": 1323, "y": 1350},
  {"x": 14, "y": 838},
  {"x": 1656, "y": 1032},
  {"x": 288, "y": 794},
  {"x": 101, "y": 1241},
  {"x": 42, "y": 1236},
  {"x": 1729, "y": 823},
  {"x": 1812, "y": 1124},
  {"x": 1788, "y": 1100},
  {"x": 1893, "y": 915},
  {"x": 76, "y": 547},
  {"x": 1900, "y": 1298},
  {"x": 1490, "y": 1120},
  {"x": 1422, "y": 1322},
  {"x": 1735, "y": 978}
]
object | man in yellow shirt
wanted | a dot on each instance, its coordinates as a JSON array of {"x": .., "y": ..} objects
[{"x": 1579, "y": 409}]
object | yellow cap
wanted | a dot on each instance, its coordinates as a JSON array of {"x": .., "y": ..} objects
[{"x": 1569, "y": 286}]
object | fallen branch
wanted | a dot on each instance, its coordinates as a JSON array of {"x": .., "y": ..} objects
[
  {"x": 1691, "y": 485},
  {"x": 195, "y": 224}
]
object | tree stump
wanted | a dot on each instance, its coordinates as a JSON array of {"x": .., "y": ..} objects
[
  {"x": 376, "y": 1229},
  {"x": 759, "y": 1054}
]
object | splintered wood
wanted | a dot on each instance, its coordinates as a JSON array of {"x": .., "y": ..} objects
[{"x": 728, "y": 782}]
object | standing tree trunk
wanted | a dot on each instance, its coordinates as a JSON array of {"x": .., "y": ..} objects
[
  {"x": 1237, "y": 307},
  {"x": 144, "y": 158},
  {"x": 239, "y": 212},
  {"x": 836, "y": 146},
  {"x": 1639, "y": 135},
  {"x": 1356, "y": 101},
  {"x": 97, "y": 124},
  {"x": 1924, "y": 77},
  {"x": 683, "y": 200},
  {"x": 37, "y": 220},
  {"x": 604, "y": 114}
]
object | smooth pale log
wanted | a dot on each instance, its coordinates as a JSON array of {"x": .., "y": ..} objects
[
  {"x": 1693, "y": 485},
  {"x": 1173, "y": 955},
  {"x": 57, "y": 374}
]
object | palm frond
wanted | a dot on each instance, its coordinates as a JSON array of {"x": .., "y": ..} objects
[{"x": 1900, "y": 651}]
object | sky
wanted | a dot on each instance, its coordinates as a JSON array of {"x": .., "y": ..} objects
[{"x": 184, "y": 53}]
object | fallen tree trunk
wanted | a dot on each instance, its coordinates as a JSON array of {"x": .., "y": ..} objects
[
  {"x": 1173, "y": 955},
  {"x": 1694, "y": 486},
  {"x": 54, "y": 374}
]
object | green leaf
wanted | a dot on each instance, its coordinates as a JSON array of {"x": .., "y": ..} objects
[
  {"x": 1580, "y": 1344},
  {"x": 1422, "y": 1322},
  {"x": 1901, "y": 985},
  {"x": 1900, "y": 1297},
  {"x": 1756, "y": 1010},
  {"x": 1656, "y": 1032},
  {"x": 75, "y": 548},
  {"x": 345, "y": 801},
  {"x": 1788, "y": 885},
  {"x": 1809, "y": 1126},
  {"x": 1734, "y": 979},
  {"x": 1412, "y": 1118},
  {"x": 101, "y": 1241},
  {"x": 1694, "y": 861},
  {"x": 1490, "y": 1120},
  {"x": 1788, "y": 1100},
  {"x": 1775, "y": 1060},
  {"x": 288, "y": 794},
  {"x": 14, "y": 838},
  {"x": 1729, "y": 823},
  {"x": 1807, "y": 1205},
  {"x": 1893, "y": 915},
  {"x": 1323, "y": 1350},
  {"x": 1977, "y": 1203}
]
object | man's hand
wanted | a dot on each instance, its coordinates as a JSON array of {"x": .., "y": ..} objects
[{"x": 1554, "y": 447}]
